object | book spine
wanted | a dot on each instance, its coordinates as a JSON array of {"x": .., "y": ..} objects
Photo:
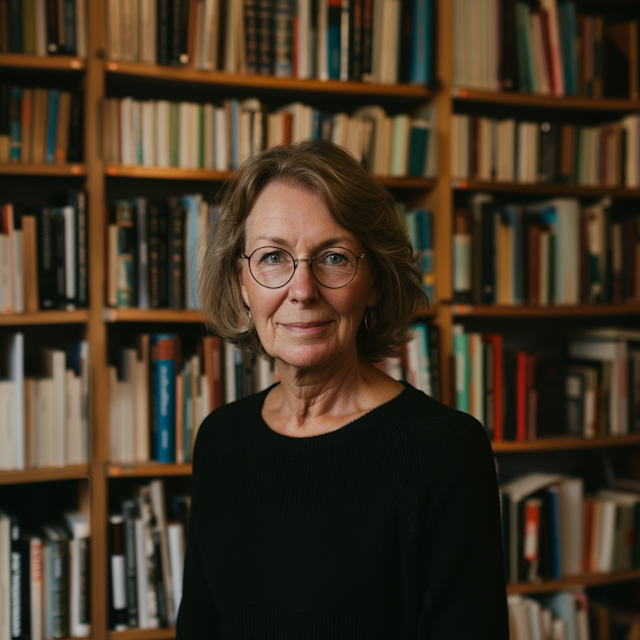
[
  {"x": 251, "y": 35},
  {"x": 59, "y": 588},
  {"x": 69, "y": 27},
  {"x": 118, "y": 574},
  {"x": 35, "y": 590},
  {"x": 283, "y": 39},
  {"x": 52, "y": 119},
  {"x": 14, "y": 25},
  {"x": 153, "y": 240},
  {"x": 176, "y": 256},
  {"x": 59, "y": 262},
  {"x": 16, "y": 577},
  {"x": 265, "y": 37},
  {"x": 15, "y": 97},
  {"x": 333, "y": 38},
  {"x": 129, "y": 514},
  {"x": 163, "y": 26},
  {"x": 165, "y": 371}
]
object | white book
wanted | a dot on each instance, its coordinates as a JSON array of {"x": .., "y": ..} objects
[
  {"x": 18, "y": 279},
  {"x": 44, "y": 423},
  {"x": 114, "y": 28},
  {"x": 6, "y": 304},
  {"x": 534, "y": 611},
  {"x": 136, "y": 138},
  {"x": 141, "y": 404},
  {"x": 7, "y": 432},
  {"x": 149, "y": 128},
  {"x": 390, "y": 42},
  {"x": 54, "y": 365},
  {"x": 126, "y": 406},
  {"x": 519, "y": 615},
  {"x": 40, "y": 23},
  {"x": 148, "y": 31},
  {"x": 78, "y": 525},
  {"x": 126, "y": 130},
  {"x": 607, "y": 535},
  {"x": 572, "y": 495},
  {"x": 208, "y": 135},
  {"x": 14, "y": 345},
  {"x": 84, "y": 378},
  {"x": 142, "y": 576},
  {"x": 114, "y": 413},
  {"x": 304, "y": 40},
  {"x": 162, "y": 133},
  {"x": 76, "y": 445},
  {"x": 35, "y": 586},
  {"x": 377, "y": 45},
  {"x": 322, "y": 35},
  {"x": 175, "y": 536},
  {"x": 207, "y": 57}
]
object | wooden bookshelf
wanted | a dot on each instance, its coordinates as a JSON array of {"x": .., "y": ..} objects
[
  {"x": 270, "y": 83},
  {"x": 564, "y": 443},
  {"x": 147, "y": 470},
  {"x": 583, "y": 580},
  {"x": 515, "y": 98},
  {"x": 551, "y": 311},
  {"x": 48, "y": 474},
  {"x": 176, "y": 173},
  {"x": 50, "y": 63},
  {"x": 541, "y": 190},
  {"x": 65, "y": 170},
  {"x": 144, "y": 634},
  {"x": 79, "y": 316},
  {"x": 152, "y": 315}
]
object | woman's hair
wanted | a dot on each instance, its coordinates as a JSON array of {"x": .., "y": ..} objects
[{"x": 357, "y": 203}]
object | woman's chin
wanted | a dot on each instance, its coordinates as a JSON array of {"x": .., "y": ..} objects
[{"x": 309, "y": 356}]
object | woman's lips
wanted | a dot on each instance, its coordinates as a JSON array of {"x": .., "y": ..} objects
[{"x": 305, "y": 327}]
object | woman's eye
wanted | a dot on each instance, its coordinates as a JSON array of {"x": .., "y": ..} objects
[
  {"x": 272, "y": 258},
  {"x": 335, "y": 258}
]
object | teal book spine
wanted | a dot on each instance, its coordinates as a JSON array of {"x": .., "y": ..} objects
[{"x": 52, "y": 121}]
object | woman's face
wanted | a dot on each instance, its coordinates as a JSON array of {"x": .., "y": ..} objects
[{"x": 303, "y": 323}]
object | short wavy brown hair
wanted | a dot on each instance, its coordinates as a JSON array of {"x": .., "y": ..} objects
[{"x": 355, "y": 200}]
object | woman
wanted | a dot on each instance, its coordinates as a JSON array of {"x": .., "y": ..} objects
[{"x": 339, "y": 503}]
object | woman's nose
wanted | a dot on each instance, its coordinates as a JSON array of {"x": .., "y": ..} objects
[{"x": 303, "y": 287}]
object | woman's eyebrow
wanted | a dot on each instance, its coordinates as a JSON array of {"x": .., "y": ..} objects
[{"x": 330, "y": 242}]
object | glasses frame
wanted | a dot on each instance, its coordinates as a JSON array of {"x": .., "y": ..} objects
[{"x": 309, "y": 260}]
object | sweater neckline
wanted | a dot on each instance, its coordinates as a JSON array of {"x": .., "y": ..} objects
[{"x": 264, "y": 436}]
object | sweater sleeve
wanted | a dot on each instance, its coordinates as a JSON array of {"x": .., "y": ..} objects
[
  {"x": 465, "y": 593},
  {"x": 198, "y": 616}
]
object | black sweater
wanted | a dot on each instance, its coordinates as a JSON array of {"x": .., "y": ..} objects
[{"x": 388, "y": 528}]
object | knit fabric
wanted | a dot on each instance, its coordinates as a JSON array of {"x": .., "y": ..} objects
[{"x": 387, "y": 528}]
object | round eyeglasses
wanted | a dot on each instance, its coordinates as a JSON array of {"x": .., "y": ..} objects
[{"x": 333, "y": 267}]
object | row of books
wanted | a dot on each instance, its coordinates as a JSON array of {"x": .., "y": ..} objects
[
  {"x": 547, "y": 47},
  {"x": 44, "y": 578},
  {"x": 222, "y": 136},
  {"x": 419, "y": 224},
  {"x": 569, "y": 615},
  {"x": 146, "y": 549},
  {"x": 159, "y": 397},
  {"x": 152, "y": 251},
  {"x": 44, "y": 405},
  {"x": 592, "y": 388},
  {"x": 508, "y": 150},
  {"x": 44, "y": 27},
  {"x": 43, "y": 255},
  {"x": 552, "y": 529},
  {"x": 372, "y": 40},
  {"x": 551, "y": 252},
  {"x": 42, "y": 126}
]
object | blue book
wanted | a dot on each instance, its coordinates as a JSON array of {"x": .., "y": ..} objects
[
  {"x": 418, "y": 140},
  {"x": 567, "y": 27},
  {"x": 316, "y": 126},
  {"x": 421, "y": 42},
  {"x": 52, "y": 121},
  {"x": 235, "y": 144},
  {"x": 556, "y": 536},
  {"x": 462, "y": 373},
  {"x": 15, "y": 132},
  {"x": 69, "y": 27},
  {"x": 166, "y": 397},
  {"x": 192, "y": 206},
  {"x": 563, "y": 607},
  {"x": 424, "y": 222},
  {"x": 333, "y": 39}
]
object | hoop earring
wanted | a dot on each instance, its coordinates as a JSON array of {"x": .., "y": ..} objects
[{"x": 366, "y": 320}]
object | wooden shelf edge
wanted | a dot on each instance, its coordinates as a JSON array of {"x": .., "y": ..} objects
[
  {"x": 47, "y": 474},
  {"x": 551, "y": 311},
  {"x": 560, "y": 443},
  {"x": 79, "y": 316},
  {"x": 143, "y": 634},
  {"x": 177, "y": 173},
  {"x": 537, "y": 100},
  {"x": 256, "y": 81},
  {"x": 31, "y": 61},
  {"x": 462, "y": 184},
  {"x": 571, "y": 582},
  {"x": 146, "y": 469},
  {"x": 151, "y": 315},
  {"x": 31, "y": 169}
]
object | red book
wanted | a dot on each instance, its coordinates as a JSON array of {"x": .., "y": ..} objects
[
  {"x": 521, "y": 396},
  {"x": 498, "y": 385},
  {"x": 546, "y": 47}
]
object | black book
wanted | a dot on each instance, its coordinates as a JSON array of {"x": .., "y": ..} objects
[
  {"x": 487, "y": 241},
  {"x": 251, "y": 34},
  {"x": 59, "y": 262},
  {"x": 179, "y": 32},
  {"x": 175, "y": 255},
  {"x": 265, "y": 37},
  {"x": 118, "y": 597},
  {"x": 5, "y": 126},
  {"x": 161, "y": 592},
  {"x": 163, "y": 252},
  {"x": 163, "y": 30},
  {"x": 46, "y": 261},
  {"x": 367, "y": 37},
  {"x": 82, "y": 236},
  {"x": 76, "y": 125},
  {"x": 355, "y": 40},
  {"x": 14, "y": 26},
  {"x": 53, "y": 38},
  {"x": 548, "y": 151},
  {"x": 406, "y": 32},
  {"x": 507, "y": 57},
  {"x": 551, "y": 404},
  {"x": 153, "y": 241},
  {"x": 17, "y": 577},
  {"x": 57, "y": 542},
  {"x": 129, "y": 514},
  {"x": 509, "y": 364}
]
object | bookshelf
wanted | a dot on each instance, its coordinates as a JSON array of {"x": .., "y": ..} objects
[{"x": 99, "y": 322}]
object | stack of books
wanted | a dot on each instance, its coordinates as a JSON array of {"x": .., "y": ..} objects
[
  {"x": 383, "y": 41},
  {"x": 551, "y": 252},
  {"x": 42, "y": 126},
  {"x": 549, "y": 48},
  {"x": 44, "y": 409},
  {"x": 43, "y": 252}
]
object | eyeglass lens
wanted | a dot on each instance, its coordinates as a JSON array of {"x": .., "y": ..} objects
[{"x": 333, "y": 267}]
